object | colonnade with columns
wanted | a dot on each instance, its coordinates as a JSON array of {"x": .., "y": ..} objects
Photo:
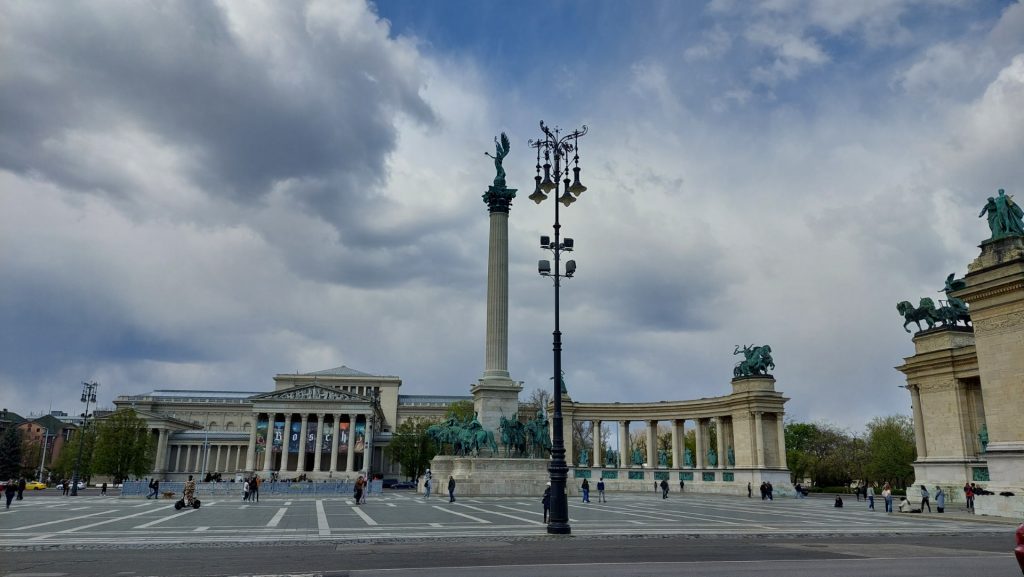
[{"x": 758, "y": 444}]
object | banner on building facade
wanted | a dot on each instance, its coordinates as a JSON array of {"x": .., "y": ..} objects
[
  {"x": 360, "y": 437},
  {"x": 343, "y": 437},
  {"x": 261, "y": 435},
  {"x": 293, "y": 438},
  {"x": 311, "y": 429},
  {"x": 278, "y": 441},
  {"x": 325, "y": 446}
]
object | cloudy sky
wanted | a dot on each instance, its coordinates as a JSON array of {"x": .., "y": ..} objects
[{"x": 200, "y": 195}]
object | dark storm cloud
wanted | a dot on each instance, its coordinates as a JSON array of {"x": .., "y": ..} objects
[{"x": 323, "y": 110}]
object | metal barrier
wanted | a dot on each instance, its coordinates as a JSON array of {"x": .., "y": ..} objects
[{"x": 275, "y": 488}]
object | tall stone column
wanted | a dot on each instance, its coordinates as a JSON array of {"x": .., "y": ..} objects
[
  {"x": 781, "y": 432},
  {"x": 318, "y": 445},
  {"x": 624, "y": 444},
  {"x": 350, "y": 457},
  {"x": 161, "y": 451},
  {"x": 496, "y": 394},
  {"x": 652, "y": 444},
  {"x": 759, "y": 438},
  {"x": 283, "y": 467},
  {"x": 720, "y": 441},
  {"x": 250, "y": 454},
  {"x": 268, "y": 448},
  {"x": 334, "y": 442},
  {"x": 698, "y": 433},
  {"x": 300, "y": 459},
  {"x": 598, "y": 456},
  {"x": 677, "y": 460}
]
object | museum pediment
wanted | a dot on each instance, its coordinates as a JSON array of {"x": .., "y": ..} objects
[{"x": 311, "y": 393}]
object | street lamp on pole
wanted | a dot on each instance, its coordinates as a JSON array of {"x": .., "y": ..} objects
[
  {"x": 88, "y": 396},
  {"x": 557, "y": 148}
]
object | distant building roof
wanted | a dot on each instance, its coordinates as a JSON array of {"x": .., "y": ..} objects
[
  {"x": 11, "y": 416},
  {"x": 421, "y": 400},
  {"x": 53, "y": 424},
  {"x": 341, "y": 371}
]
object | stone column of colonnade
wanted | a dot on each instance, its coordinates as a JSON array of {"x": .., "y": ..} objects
[
  {"x": 350, "y": 457},
  {"x": 699, "y": 431},
  {"x": 268, "y": 454},
  {"x": 623, "y": 444},
  {"x": 652, "y": 444},
  {"x": 677, "y": 444},
  {"x": 318, "y": 445},
  {"x": 334, "y": 442},
  {"x": 919, "y": 438},
  {"x": 596, "y": 432},
  {"x": 781, "y": 440},
  {"x": 285, "y": 442},
  {"x": 250, "y": 453},
  {"x": 759, "y": 439},
  {"x": 720, "y": 438}
]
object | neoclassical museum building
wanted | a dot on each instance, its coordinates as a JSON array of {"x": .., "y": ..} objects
[{"x": 335, "y": 422}]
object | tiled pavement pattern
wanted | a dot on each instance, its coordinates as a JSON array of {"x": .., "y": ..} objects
[{"x": 48, "y": 520}]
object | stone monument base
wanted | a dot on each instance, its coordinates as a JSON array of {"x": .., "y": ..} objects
[{"x": 495, "y": 476}]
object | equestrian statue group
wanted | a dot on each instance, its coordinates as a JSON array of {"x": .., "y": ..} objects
[
  {"x": 756, "y": 361},
  {"x": 529, "y": 439},
  {"x": 461, "y": 438},
  {"x": 951, "y": 311}
]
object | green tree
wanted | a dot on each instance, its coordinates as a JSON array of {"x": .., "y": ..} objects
[
  {"x": 64, "y": 466},
  {"x": 890, "y": 442},
  {"x": 461, "y": 410},
  {"x": 10, "y": 453},
  {"x": 410, "y": 446},
  {"x": 124, "y": 446},
  {"x": 825, "y": 454}
]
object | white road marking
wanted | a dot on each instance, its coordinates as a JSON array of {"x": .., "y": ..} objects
[
  {"x": 114, "y": 520},
  {"x": 321, "y": 519},
  {"x": 162, "y": 519},
  {"x": 199, "y": 529},
  {"x": 365, "y": 517},
  {"x": 63, "y": 520},
  {"x": 277, "y": 517},
  {"x": 448, "y": 510},
  {"x": 243, "y": 507},
  {"x": 531, "y": 521},
  {"x": 286, "y": 503},
  {"x": 436, "y": 525},
  {"x": 390, "y": 504},
  {"x": 78, "y": 509}
]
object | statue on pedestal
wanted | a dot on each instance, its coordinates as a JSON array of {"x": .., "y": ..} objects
[
  {"x": 662, "y": 458},
  {"x": 712, "y": 458},
  {"x": 584, "y": 458},
  {"x": 638, "y": 457},
  {"x": 731, "y": 455},
  {"x": 688, "y": 458},
  {"x": 983, "y": 437},
  {"x": 501, "y": 148},
  {"x": 756, "y": 361},
  {"x": 1005, "y": 217}
]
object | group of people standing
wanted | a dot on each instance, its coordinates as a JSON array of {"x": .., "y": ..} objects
[
  {"x": 767, "y": 491},
  {"x": 251, "y": 489}
]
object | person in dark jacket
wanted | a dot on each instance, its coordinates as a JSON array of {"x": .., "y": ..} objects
[
  {"x": 546, "y": 501},
  {"x": 21, "y": 488},
  {"x": 12, "y": 489},
  {"x": 451, "y": 489}
]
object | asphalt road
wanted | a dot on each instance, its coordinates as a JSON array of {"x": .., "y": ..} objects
[{"x": 402, "y": 534}]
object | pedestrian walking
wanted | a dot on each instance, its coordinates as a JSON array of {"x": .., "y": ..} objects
[
  {"x": 254, "y": 488},
  {"x": 600, "y": 491},
  {"x": 925, "y": 499},
  {"x": 682, "y": 485},
  {"x": 245, "y": 490},
  {"x": 366, "y": 489},
  {"x": 870, "y": 491},
  {"x": 586, "y": 490},
  {"x": 154, "y": 489},
  {"x": 12, "y": 489},
  {"x": 426, "y": 484},
  {"x": 750, "y": 492},
  {"x": 451, "y": 489},
  {"x": 771, "y": 491},
  {"x": 357, "y": 493},
  {"x": 664, "y": 489},
  {"x": 940, "y": 499},
  {"x": 857, "y": 491},
  {"x": 887, "y": 495},
  {"x": 969, "y": 494},
  {"x": 103, "y": 489},
  {"x": 546, "y": 501},
  {"x": 21, "y": 488}
]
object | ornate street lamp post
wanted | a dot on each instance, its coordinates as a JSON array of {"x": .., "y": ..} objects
[
  {"x": 88, "y": 396},
  {"x": 555, "y": 147}
]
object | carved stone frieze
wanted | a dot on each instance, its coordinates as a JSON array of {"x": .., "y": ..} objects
[
  {"x": 311, "y": 393},
  {"x": 1000, "y": 324}
]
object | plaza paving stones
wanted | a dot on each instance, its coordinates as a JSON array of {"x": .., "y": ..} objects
[{"x": 55, "y": 521}]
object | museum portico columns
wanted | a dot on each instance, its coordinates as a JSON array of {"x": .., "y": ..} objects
[
  {"x": 318, "y": 445},
  {"x": 161, "y": 450},
  {"x": 286, "y": 443},
  {"x": 350, "y": 455},
  {"x": 300, "y": 457},
  {"x": 334, "y": 442},
  {"x": 250, "y": 453}
]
